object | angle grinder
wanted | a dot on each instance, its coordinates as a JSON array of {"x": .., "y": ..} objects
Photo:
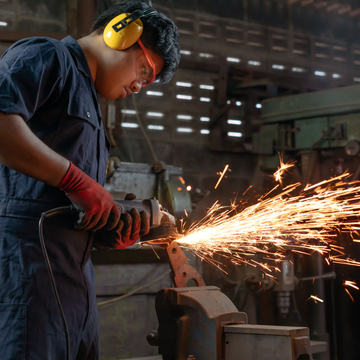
[{"x": 162, "y": 223}]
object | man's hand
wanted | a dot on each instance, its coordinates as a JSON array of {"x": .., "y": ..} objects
[
  {"x": 97, "y": 203},
  {"x": 130, "y": 228}
]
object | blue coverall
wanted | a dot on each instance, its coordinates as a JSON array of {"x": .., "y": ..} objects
[{"x": 49, "y": 84}]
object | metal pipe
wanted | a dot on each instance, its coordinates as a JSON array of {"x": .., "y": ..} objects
[{"x": 317, "y": 310}]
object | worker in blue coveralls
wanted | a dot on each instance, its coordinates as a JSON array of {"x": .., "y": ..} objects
[{"x": 53, "y": 150}]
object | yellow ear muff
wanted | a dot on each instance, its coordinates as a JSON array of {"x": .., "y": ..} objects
[{"x": 123, "y": 39}]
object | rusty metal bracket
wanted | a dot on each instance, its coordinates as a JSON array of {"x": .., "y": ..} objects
[{"x": 182, "y": 273}]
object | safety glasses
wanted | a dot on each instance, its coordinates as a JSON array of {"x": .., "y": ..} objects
[{"x": 145, "y": 67}]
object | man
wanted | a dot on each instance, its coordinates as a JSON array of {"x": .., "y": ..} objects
[{"x": 53, "y": 149}]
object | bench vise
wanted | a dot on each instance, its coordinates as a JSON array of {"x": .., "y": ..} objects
[{"x": 201, "y": 323}]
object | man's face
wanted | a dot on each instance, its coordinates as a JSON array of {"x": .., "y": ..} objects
[{"x": 119, "y": 73}]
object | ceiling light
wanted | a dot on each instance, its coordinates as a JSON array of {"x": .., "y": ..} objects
[
  {"x": 207, "y": 87},
  {"x": 184, "y": 97},
  {"x": 234, "y": 134},
  {"x": 155, "y": 114},
  {"x": 184, "y": 130},
  {"x": 297, "y": 69},
  {"x": 278, "y": 67},
  {"x": 154, "y": 93},
  {"x": 234, "y": 122},
  {"x": 129, "y": 112},
  {"x": 184, "y": 117},
  {"x": 129, "y": 125},
  {"x": 183, "y": 84},
  {"x": 232, "y": 59},
  {"x": 155, "y": 127},
  {"x": 206, "y": 55}
]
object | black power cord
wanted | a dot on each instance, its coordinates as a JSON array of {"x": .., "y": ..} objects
[{"x": 47, "y": 214}]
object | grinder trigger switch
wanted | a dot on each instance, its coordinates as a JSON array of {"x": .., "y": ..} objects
[{"x": 80, "y": 214}]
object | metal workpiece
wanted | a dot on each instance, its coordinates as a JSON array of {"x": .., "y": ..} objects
[
  {"x": 191, "y": 322},
  {"x": 266, "y": 342},
  {"x": 182, "y": 273}
]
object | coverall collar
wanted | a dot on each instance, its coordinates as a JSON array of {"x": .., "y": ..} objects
[{"x": 79, "y": 55}]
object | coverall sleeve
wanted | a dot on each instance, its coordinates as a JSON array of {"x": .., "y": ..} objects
[{"x": 30, "y": 74}]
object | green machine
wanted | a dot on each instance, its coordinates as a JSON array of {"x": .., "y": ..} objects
[
  {"x": 300, "y": 124},
  {"x": 321, "y": 132}
]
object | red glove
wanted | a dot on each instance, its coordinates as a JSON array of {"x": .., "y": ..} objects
[
  {"x": 130, "y": 227},
  {"x": 99, "y": 206}
]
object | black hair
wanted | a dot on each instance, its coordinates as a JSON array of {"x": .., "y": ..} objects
[{"x": 160, "y": 34}]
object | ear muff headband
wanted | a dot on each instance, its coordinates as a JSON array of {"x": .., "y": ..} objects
[{"x": 125, "y": 29}]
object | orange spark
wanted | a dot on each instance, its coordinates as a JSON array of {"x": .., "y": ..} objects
[
  {"x": 221, "y": 176},
  {"x": 345, "y": 261},
  {"x": 282, "y": 169},
  {"x": 351, "y": 283},
  {"x": 315, "y": 298},
  {"x": 247, "y": 189},
  {"x": 306, "y": 222},
  {"x": 348, "y": 292}
]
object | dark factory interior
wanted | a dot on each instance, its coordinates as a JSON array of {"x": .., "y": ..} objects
[{"x": 245, "y": 162}]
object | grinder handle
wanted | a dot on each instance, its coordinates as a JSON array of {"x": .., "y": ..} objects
[
  {"x": 151, "y": 206},
  {"x": 127, "y": 205}
]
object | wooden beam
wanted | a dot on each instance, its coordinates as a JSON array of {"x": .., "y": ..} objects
[
  {"x": 307, "y": 2},
  {"x": 320, "y": 4},
  {"x": 345, "y": 9},
  {"x": 290, "y": 2},
  {"x": 354, "y": 13},
  {"x": 332, "y": 7}
]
